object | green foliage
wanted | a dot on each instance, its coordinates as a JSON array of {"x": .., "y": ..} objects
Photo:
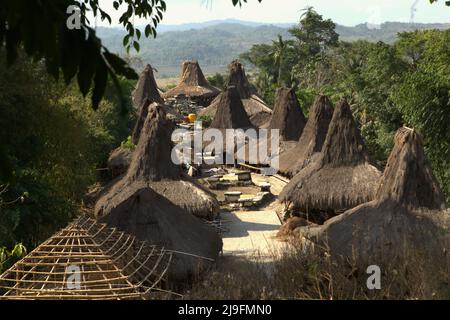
[
  {"x": 8, "y": 258},
  {"x": 218, "y": 80},
  {"x": 423, "y": 96},
  {"x": 128, "y": 144},
  {"x": 53, "y": 141},
  {"x": 206, "y": 121},
  {"x": 40, "y": 28},
  {"x": 446, "y": 2},
  {"x": 239, "y": 2},
  {"x": 314, "y": 35}
]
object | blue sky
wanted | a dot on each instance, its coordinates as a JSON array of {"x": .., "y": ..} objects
[{"x": 346, "y": 12}]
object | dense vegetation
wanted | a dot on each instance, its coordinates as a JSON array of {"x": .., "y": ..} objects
[
  {"x": 388, "y": 85},
  {"x": 54, "y": 141}
]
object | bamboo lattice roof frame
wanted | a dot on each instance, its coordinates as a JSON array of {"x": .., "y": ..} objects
[{"x": 112, "y": 265}]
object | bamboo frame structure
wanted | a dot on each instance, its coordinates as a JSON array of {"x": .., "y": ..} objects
[{"x": 88, "y": 261}]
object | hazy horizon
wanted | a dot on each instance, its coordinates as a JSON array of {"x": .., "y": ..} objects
[{"x": 289, "y": 11}]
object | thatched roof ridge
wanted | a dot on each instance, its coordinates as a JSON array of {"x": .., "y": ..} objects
[
  {"x": 408, "y": 178},
  {"x": 230, "y": 111},
  {"x": 152, "y": 165},
  {"x": 142, "y": 115},
  {"x": 311, "y": 139},
  {"x": 192, "y": 74},
  {"x": 193, "y": 84},
  {"x": 146, "y": 88},
  {"x": 257, "y": 110},
  {"x": 287, "y": 115},
  {"x": 342, "y": 176},
  {"x": 152, "y": 157},
  {"x": 238, "y": 79},
  {"x": 343, "y": 144}
]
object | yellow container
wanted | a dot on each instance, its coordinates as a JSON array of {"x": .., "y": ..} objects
[{"x": 192, "y": 117}]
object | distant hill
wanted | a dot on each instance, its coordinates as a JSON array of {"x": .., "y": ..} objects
[
  {"x": 201, "y": 25},
  {"x": 386, "y": 33},
  {"x": 216, "y": 43}
]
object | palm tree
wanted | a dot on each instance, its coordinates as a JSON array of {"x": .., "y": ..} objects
[{"x": 278, "y": 53}]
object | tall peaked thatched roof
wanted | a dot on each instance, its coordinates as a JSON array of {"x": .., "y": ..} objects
[
  {"x": 311, "y": 139},
  {"x": 341, "y": 177},
  {"x": 143, "y": 112},
  {"x": 156, "y": 201},
  {"x": 343, "y": 144},
  {"x": 152, "y": 157},
  {"x": 120, "y": 158},
  {"x": 288, "y": 118},
  {"x": 408, "y": 213},
  {"x": 230, "y": 111},
  {"x": 193, "y": 84},
  {"x": 238, "y": 79},
  {"x": 152, "y": 165},
  {"x": 408, "y": 178},
  {"x": 256, "y": 109},
  {"x": 146, "y": 88},
  {"x": 287, "y": 115}
]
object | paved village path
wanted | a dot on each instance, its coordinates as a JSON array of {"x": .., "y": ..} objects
[{"x": 251, "y": 234}]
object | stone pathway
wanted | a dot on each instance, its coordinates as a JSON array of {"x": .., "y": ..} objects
[{"x": 251, "y": 234}]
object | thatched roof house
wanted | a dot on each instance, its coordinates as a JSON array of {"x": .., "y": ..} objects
[
  {"x": 407, "y": 213},
  {"x": 193, "y": 84},
  {"x": 256, "y": 109},
  {"x": 120, "y": 158},
  {"x": 342, "y": 176},
  {"x": 146, "y": 88},
  {"x": 288, "y": 118},
  {"x": 156, "y": 202},
  {"x": 152, "y": 165},
  {"x": 311, "y": 140},
  {"x": 230, "y": 111},
  {"x": 287, "y": 115}
]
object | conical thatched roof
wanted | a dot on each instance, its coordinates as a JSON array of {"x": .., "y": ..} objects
[
  {"x": 258, "y": 112},
  {"x": 193, "y": 84},
  {"x": 342, "y": 177},
  {"x": 152, "y": 165},
  {"x": 143, "y": 112},
  {"x": 120, "y": 158},
  {"x": 407, "y": 213},
  {"x": 288, "y": 118},
  {"x": 154, "y": 201},
  {"x": 146, "y": 88},
  {"x": 408, "y": 178},
  {"x": 147, "y": 215},
  {"x": 311, "y": 140},
  {"x": 287, "y": 115},
  {"x": 230, "y": 111},
  {"x": 238, "y": 79}
]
